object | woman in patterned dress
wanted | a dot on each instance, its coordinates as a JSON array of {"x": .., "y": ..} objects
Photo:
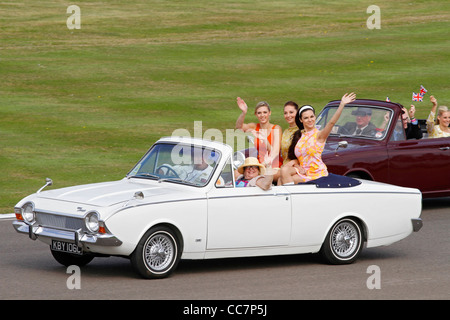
[{"x": 307, "y": 145}]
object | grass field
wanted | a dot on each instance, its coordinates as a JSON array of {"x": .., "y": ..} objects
[{"x": 83, "y": 105}]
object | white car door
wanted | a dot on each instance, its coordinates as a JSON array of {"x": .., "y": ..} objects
[{"x": 248, "y": 217}]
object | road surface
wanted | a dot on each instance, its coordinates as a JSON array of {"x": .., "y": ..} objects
[{"x": 417, "y": 267}]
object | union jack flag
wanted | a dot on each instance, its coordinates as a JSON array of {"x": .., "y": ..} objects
[
  {"x": 387, "y": 99},
  {"x": 422, "y": 90},
  {"x": 417, "y": 97}
]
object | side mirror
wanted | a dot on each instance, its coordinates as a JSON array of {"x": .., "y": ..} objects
[
  {"x": 138, "y": 195},
  {"x": 48, "y": 182},
  {"x": 341, "y": 144}
]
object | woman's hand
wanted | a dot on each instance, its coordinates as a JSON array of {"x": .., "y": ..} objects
[
  {"x": 291, "y": 163},
  {"x": 261, "y": 134},
  {"x": 267, "y": 162},
  {"x": 348, "y": 97},
  {"x": 433, "y": 100},
  {"x": 241, "y": 104},
  {"x": 412, "y": 111},
  {"x": 325, "y": 132},
  {"x": 300, "y": 169}
]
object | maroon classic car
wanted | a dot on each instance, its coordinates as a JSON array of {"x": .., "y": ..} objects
[{"x": 381, "y": 152}]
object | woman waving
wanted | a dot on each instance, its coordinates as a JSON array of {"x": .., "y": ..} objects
[
  {"x": 268, "y": 135},
  {"x": 308, "y": 144}
]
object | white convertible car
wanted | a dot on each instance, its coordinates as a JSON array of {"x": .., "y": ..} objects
[{"x": 180, "y": 202}]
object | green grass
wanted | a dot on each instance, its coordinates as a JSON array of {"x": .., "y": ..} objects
[{"x": 82, "y": 106}]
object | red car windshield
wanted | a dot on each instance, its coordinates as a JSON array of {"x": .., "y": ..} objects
[{"x": 358, "y": 121}]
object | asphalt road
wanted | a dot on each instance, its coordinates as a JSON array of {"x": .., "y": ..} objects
[{"x": 417, "y": 267}]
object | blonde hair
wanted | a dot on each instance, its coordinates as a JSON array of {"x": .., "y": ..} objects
[
  {"x": 440, "y": 112},
  {"x": 262, "y": 104}
]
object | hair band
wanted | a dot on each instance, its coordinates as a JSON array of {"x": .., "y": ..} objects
[{"x": 305, "y": 108}]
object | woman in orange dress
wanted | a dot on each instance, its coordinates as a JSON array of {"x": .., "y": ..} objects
[
  {"x": 307, "y": 145},
  {"x": 268, "y": 135}
]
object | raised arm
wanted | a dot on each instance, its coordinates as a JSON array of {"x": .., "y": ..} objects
[
  {"x": 411, "y": 113},
  {"x": 325, "y": 132},
  {"x": 434, "y": 102},
  {"x": 431, "y": 117},
  {"x": 240, "y": 120}
]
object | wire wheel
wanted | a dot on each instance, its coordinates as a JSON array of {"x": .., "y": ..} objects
[
  {"x": 159, "y": 251},
  {"x": 343, "y": 243},
  {"x": 345, "y": 239}
]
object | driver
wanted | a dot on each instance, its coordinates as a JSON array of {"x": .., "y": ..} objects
[
  {"x": 198, "y": 171},
  {"x": 362, "y": 125}
]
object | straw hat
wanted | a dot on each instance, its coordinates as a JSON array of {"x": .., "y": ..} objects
[{"x": 252, "y": 161}]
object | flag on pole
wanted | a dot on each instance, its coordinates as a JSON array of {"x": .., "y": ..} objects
[
  {"x": 417, "y": 97},
  {"x": 422, "y": 90}
]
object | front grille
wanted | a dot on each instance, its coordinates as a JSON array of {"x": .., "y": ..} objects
[{"x": 61, "y": 222}]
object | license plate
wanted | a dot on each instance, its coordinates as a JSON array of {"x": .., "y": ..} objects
[{"x": 66, "y": 247}]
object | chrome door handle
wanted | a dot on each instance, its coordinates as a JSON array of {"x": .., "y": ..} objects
[{"x": 444, "y": 148}]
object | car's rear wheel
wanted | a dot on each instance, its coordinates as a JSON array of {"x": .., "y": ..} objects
[
  {"x": 157, "y": 253},
  {"x": 68, "y": 259},
  {"x": 343, "y": 243}
]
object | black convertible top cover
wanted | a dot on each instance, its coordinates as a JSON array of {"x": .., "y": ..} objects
[{"x": 334, "y": 181}]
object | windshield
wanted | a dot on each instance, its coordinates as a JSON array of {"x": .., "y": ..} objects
[
  {"x": 358, "y": 121},
  {"x": 177, "y": 163}
]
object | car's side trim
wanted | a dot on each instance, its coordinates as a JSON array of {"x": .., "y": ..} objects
[
  {"x": 156, "y": 202},
  {"x": 355, "y": 192},
  {"x": 309, "y": 193},
  {"x": 265, "y": 195},
  {"x": 248, "y": 196}
]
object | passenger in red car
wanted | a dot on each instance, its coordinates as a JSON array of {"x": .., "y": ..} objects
[
  {"x": 411, "y": 124},
  {"x": 308, "y": 144},
  {"x": 440, "y": 128},
  {"x": 407, "y": 124}
]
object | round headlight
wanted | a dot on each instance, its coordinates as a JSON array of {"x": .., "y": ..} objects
[
  {"x": 92, "y": 221},
  {"x": 28, "y": 212}
]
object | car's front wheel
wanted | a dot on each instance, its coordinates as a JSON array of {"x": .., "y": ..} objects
[
  {"x": 157, "y": 253},
  {"x": 343, "y": 243}
]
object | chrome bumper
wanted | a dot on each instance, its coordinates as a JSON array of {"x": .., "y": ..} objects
[
  {"x": 78, "y": 237},
  {"x": 416, "y": 224}
]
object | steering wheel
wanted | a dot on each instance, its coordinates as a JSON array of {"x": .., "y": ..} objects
[
  {"x": 168, "y": 169},
  {"x": 343, "y": 130}
]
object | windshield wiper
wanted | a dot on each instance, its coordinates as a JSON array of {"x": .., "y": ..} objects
[
  {"x": 178, "y": 180},
  {"x": 145, "y": 175}
]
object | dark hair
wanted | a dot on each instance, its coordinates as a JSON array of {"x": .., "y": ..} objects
[
  {"x": 291, "y": 103},
  {"x": 298, "y": 134}
]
